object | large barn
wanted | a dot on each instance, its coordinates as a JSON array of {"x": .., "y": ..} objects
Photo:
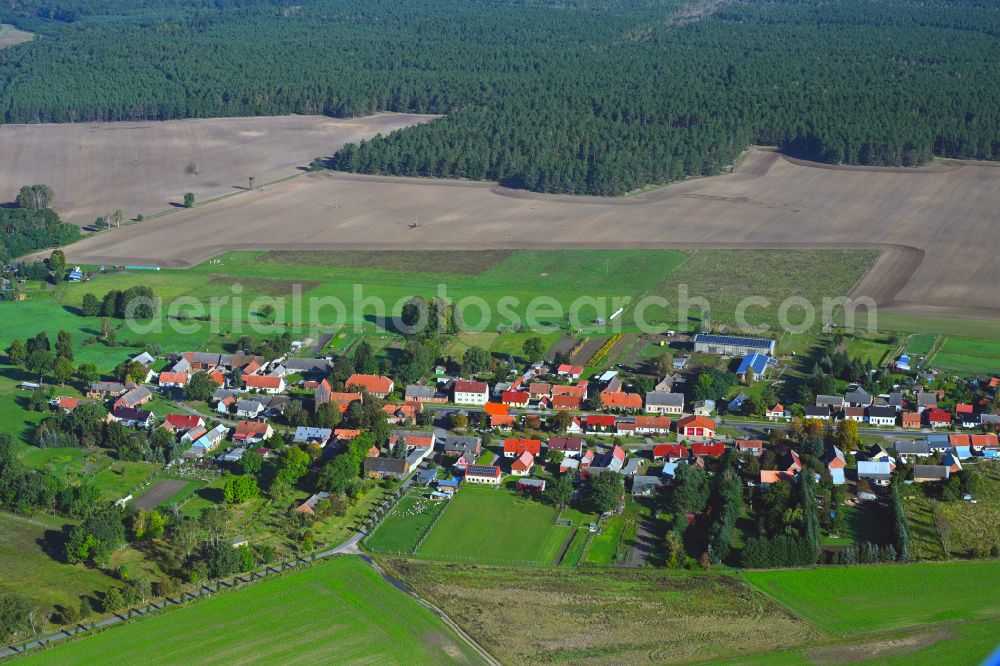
[{"x": 732, "y": 345}]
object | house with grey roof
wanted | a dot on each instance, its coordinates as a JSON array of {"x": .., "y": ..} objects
[
  {"x": 833, "y": 402},
  {"x": 643, "y": 486},
  {"x": 858, "y": 398},
  {"x": 930, "y": 473},
  {"x": 662, "y": 402},
  {"x": 308, "y": 366},
  {"x": 911, "y": 449}
]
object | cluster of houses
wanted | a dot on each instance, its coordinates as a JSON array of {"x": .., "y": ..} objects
[{"x": 911, "y": 411}]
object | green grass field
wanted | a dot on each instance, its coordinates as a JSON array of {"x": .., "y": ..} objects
[
  {"x": 495, "y": 526},
  {"x": 341, "y": 611},
  {"x": 28, "y": 567},
  {"x": 920, "y": 344},
  {"x": 847, "y": 601},
  {"x": 971, "y": 356},
  {"x": 402, "y": 529}
]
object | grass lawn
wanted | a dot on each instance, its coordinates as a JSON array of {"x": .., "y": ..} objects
[
  {"x": 402, "y": 529},
  {"x": 121, "y": 478},
  {"x": 208, "y": 495},
  {"x": 594, "y": 616},
  {"x": 861, "y": 599},
  {"x": 920, "y": 344},
  {"x": 963, "y": 355},
  {"x": 604, "y": 544},
  {"x": 875, "y": 351},
  {"x": 868, "y": 522},
  {"x": 29, "y": 569},
  {"x": 488, "y": 525},
  {"x": 341, "y": 611}
]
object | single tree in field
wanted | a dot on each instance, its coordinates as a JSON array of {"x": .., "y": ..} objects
[
  {"x": 188, "y": 199},
  {"x": 118, "y": 217},
  {"x": 534, "y": 349},
  {"x": 35, "y": 197},
  {"x": 63, "y": 370}
]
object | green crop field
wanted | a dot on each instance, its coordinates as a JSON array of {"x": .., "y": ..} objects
[
  {"x": 402, "y": 529},
  {"x": 920, "y": 344},
  {"x": 854, "y": 600},
  {"x": 488, "y": 525},
  {"x": 963, "y": 355},
  {"x": 603, "y": 616},
  {"x": 341, "y": 611}
]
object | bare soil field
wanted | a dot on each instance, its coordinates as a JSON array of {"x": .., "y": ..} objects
[
  {"x": 937, "y": 226},
  {"x": 155, "y": 496},
  {"x": 9, "y": 36},
  {"x": 145, "y": 167}
]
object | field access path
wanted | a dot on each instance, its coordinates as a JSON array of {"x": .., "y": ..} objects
[{"x": 936, "y": 225}]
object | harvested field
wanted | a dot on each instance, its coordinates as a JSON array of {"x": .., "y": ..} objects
[
  {"x": 145, "y": 167},
  {"x": 936, "y": 224},
  {"x": 9, "y": 36},
  {"x": 159, "y": 493}
]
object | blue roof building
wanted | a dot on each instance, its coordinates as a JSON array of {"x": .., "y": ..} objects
[{"x": 756, "y": 363}]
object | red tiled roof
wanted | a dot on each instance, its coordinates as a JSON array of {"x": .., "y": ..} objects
[
  {"x": 524, "y": 462},
  {"x": 959, "y": 440},
  {"x": 515, "y": 397},
  {"x": 413, "y": 439},
  {"x": 68, "y": 403},
  {"x": 751, "y": 444},
  {"x": 938, "y": 415},
  {"x": 579, "y": 391},
  {"x": 539, "y": 388},
  {"x": 567, "y": 369},
  {"x": 670, "y": 451},
  {"x": 173, "y": 378},
  {"x": 708, "y": 449},
  {"x": 245, "y": 428},
  {"x": 620, "y": 400},
  {"x": 259, "y": 381},
  {"x": 564, "y": 444},
  {"x": 501, "y": 420},
  {"x": 695, "y": 422},
  {"x": 963, "y": 408},
  {"x": 988, "y": 440},
  {"x": 600, "y": 420},
  {"x": 660, "y": 422},
  {"x": 183, "y": 420},
  {"x": 566, "y": 402},
  {"x": 465, "y": 386},
  {"x": 345, "y": 434},
  {"x": 518, "y": 446},
  {"x": 370, "y": 383}
]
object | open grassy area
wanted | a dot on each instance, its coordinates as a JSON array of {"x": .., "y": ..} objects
[
  {"x": 970, "y": 529},
  {"x": 725, "y": 277},
  {"x": 495, "y": 526},
  {"x": 29, "y": 548},
  {"x": 600, "y": 616},
  {"x": 341, "y": 611},
  {"x": 119, "y": 479},
  {"x": 862, "y": 599},
  {"x": 402, "y": 529},
  {"x": 920, "y": 344},
  {"x": 972, "y": 356}
]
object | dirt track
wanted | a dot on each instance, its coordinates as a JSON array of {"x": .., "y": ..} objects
[
  {"x": 144, "y": 167},
  {"x": 939, "y": 224}
]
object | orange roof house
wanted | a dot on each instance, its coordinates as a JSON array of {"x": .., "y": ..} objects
[
  {"x": 173, "y": 379},
  {"x": 374, "y": 384},
  {"x": 262, "y": 383},
  {"x": 515, "y": 447},
  {"x": 620, "y": 400},
  {"x": 523, "y": 464},
  {"x": 566, "y": 402},
  {"x": 695, "y": 426},
  {"x": 496, "y": 409}
]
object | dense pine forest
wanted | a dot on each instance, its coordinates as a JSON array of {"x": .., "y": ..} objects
[{"x": 596, "y": 97}]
